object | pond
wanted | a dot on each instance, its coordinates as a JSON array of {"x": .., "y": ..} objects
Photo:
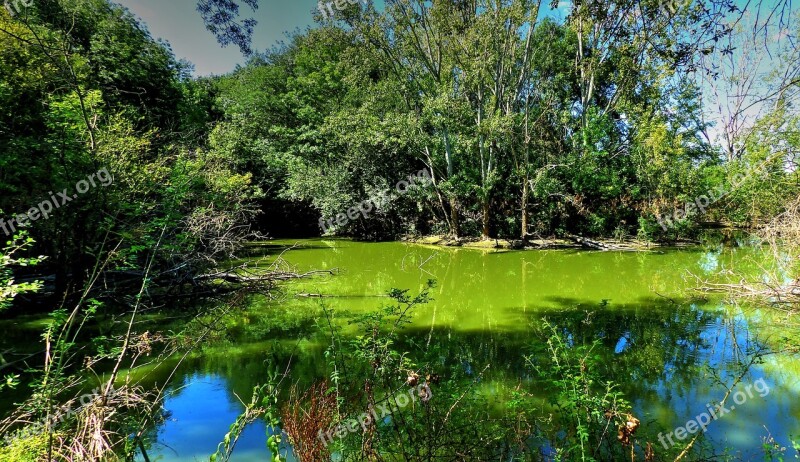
[{"x": 668, "y": 347}]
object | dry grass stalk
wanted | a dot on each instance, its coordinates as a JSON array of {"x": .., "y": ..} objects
[
  {"x": 91, "y": 427},
  {"x": 98, "y": 433},
  {"x": 305, "y": 416}
]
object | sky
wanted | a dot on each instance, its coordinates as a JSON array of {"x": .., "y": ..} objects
[{"x": 179, "y": 23}]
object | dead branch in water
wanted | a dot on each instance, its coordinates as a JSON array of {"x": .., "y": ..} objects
[
  {"x": 782, "y": 235},
  {"x": 785, "y": 297},
  {"x": 246, "y": 277}
]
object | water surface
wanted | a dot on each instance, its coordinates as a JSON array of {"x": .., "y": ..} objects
[{"x": 667, "y": 346}]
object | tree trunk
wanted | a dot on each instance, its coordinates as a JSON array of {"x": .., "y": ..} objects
[
  {"x": 524, "y": 212},
  {"x": 436, "y": 189},
  {"x": 454, "y": 217},
  {"x": 486, "y": 217},
  {"x": 448, "y": 155}
]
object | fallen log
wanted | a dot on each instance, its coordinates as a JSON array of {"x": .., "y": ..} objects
[
  {"x": 605, "y": 246},
  {"x": 586, "y": 242},
  {"x": 304, "y": 295},
  {"x": 238, "y": 278}
]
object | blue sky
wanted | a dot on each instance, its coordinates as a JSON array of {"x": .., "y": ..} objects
[{"x": 178, "y": 22}]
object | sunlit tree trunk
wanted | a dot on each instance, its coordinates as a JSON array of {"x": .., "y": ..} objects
[
  {"x": 448, "y": 153},
  {"x": 486, "y": 218},
  {"x": 524, "y": 206},
  {"x": 454, "y": 226}
]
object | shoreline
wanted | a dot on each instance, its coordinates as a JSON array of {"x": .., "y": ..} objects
[{"x": 573, "y": 242}]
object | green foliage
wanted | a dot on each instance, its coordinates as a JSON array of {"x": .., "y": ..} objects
[
  {"x": 332, "y": 119},
  {"x": 9, "y": 289},
  {"x": 264, "y": 405},
  {"x": 117, "y": 100},
  {"x": 588, "y": 411},
  {"x": 9, "y": 258},
  {"x": 32, "y": 448},
  {"x": 773, "y": 451},
  {"x": 760, "y": 182},
  {"x": 528, "y": 126},
  {"x": 84, "y": 88}
]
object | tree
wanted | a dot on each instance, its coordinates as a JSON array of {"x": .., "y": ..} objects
[{"x": 222, "y": 19}]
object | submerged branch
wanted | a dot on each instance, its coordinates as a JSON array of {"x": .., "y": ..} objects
[{"x": 239, "y": 278}]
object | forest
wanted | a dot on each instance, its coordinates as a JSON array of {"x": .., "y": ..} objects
[{"x": 585, "y": 200}]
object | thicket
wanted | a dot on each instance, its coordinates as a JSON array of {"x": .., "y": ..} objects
[
  {"x": 603, "y": 124},
  {"x": 594, "y": 125}
]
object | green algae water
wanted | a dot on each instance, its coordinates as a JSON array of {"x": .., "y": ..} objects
[{"x": 669, "y": 348}]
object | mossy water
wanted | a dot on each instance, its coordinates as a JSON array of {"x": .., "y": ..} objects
[{"x": 668, "y": 348}]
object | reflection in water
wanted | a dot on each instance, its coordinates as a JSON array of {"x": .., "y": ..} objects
[
  {"x": 200, "y": 412},
  {"x": 670, "y": 354},
  {"x": 709, "y": 262}
]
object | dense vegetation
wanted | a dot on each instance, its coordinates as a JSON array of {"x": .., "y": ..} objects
[
  {"x": 528, "y": 126},
  {"x": 126, "y": 183}
]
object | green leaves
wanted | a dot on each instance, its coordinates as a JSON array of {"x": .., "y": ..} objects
[
  {"x": 587, "y": 406},
  {"x": 273, "y": 444},
  {"x": 263, "y": 404},
  {"x": 9, "y": 289}
]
